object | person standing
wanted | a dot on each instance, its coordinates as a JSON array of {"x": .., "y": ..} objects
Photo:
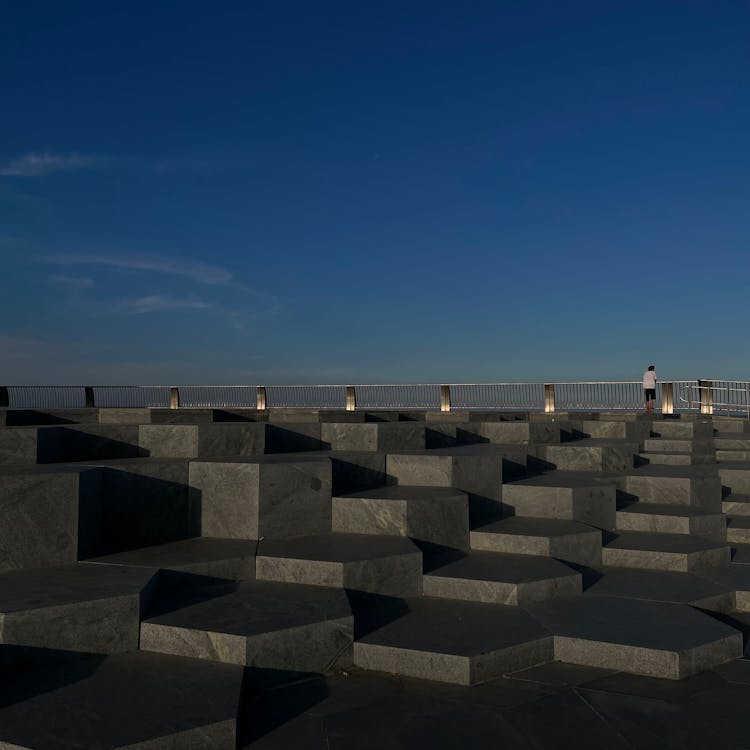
[{"x": 649, "y": 388}]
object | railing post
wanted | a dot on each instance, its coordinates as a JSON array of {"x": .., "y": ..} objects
[
  {"x": 445, "y": 398},
  {"x": 705, "y": 387},
  {"x": 667, "y": 398},
  {"x": 549, "y": 398},
  {"x": 89, "y": 396},
  {"x": 174, "y": 397},
  {"x": 4, "y": 397},
  {"x": 260, "y": 398},
  {"x": 351, "y": 398}
]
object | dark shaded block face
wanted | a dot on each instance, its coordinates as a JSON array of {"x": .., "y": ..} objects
[
  {"x": 181, "y": 416},
  {"x": 215, "y": 440},
  {"x": 353, "y": 472},
  {"x": 291, "y": 438},
  {"x": 31, "y": 417},
  {"x": 38, "y": 520},
  {"x": 88, "y": 443}
]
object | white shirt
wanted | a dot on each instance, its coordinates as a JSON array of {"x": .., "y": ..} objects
[{"x": 649, "y": 379}]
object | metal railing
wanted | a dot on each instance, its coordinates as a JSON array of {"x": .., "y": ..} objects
[{"x": 704, "y": 396}]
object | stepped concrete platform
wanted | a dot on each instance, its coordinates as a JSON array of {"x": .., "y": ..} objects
[
  {"x": 437, "y": 515},
  {"x": 735, "y": 476},
  {"x": 678, "y": 429},
  {"x": 378, "y": 564},
  {"x": 665, "y": 586},
  {"x": 220, "y": 558},
  {"x": 383, "y": 436},
  {"x": 659, "y": 458},
  {"x": 672, "y": 519},
  {"x": 474, "y": 470},
  {"x": 635, "y": 549},
  {"x": 738, "y": 529},
  {"x": 667, "y": 445},
  {"x": 474, "y": 643},
  {"x": 736, "y": 505},
  {"x": 130, "y": 701},
  {"x": 497, "y": 578},
  {"x": 611, "y": 429},
  {"x": 265, "y": 496},
  {"x": 566, "y": 540},
  {"x": 591, "y": 455},
  {"x": 80, "y": 607},
  {"x": 736, "y": 578},
  {"x": 575, "y": 496},
  {"x": 732, "y": 442},
  {"x": 260, "y": 624},
  {"x": 514, "y": 433},
  {"x": 671, "y": 641},
  {"x": 675, "y": 485}
]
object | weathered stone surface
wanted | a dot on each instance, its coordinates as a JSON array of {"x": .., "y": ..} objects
[
  {"x": 231, "y": 439},
  {"x": 567, "y": 540},
  {"x": 265, "y": 496},
  {"x": 262, "y": 624},
  {"x": 590, "y": 455},
  {"x": 356, "y": 471},
  {"x": 384, "y": 436},
  {"x": 438, "y": 515},
  {"x": 502, "y": 579},
  {"x": 474, "y": 642},
  {"x": 31, "y": 417},
  {"x": 640, "y": 637},
  {"x": 293, "y": 437},
  {"x": 132, "y": 701},
  {"x": 672, "y": 519},
  {"x": 80, "y": 607},
  {"x": 87, "y": 443},
  {"x": 378, "y": 564},
  {"x": 221, "y": 558},
  {"x": 680, "y": 552},
  {"x": 735, "y": 476},
  {"x": 18, "y": 445},
  {"x": 675, "y": 485},
  {"x": 168, "y": 440},
  {"x": 506, "y": 433},
  {"x": 124, "y": 416},
  {"x": 566, "y": 495}
]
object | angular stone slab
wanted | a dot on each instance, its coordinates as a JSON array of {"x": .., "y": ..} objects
[
  {"x": 124, "y": 416},
  {"x": 231, "y": 439},
  {"x": 672, "y": 519},
  {"x": 260, "y": 624},
  {"x": 438, "y": 515},
  {"x": 736, "y": 578},
  {"x": 565, "y": 495},
  {"x": 699, "y": 429},
  {"x": 383, "y": 436},
  {"x": 93, "y": 442},
  {"x": 667, "y": 445},
  {"x": 679, "y": 552},
  {"x": 507, "y": 433},
  {"x": 655, "y": 639},
  {"x": 591, "y": 455},
  {"x": 264, "y": 496},
  {"x": 81, "y": 607},
  {"x": 220, "y": 558},
  {"x": 460, "y": 642},
  {"x": 471, "y": 469},
  {"x": 18, "y": 445},
  {"x": 671, "y": 459},
  {"x": 738, "y": 530},
  {"x": 33, "y": 417},
  {"x": 378, "y": 564},
  {"x": 168, "y": 440},
  {"x": 736, "y": 505},
  {"x": 613, "y": 429},
  {"x": 733, "y": 442},
  {"x": 567, "y": 540},
  {"x": 675, "y": 485},
  {"x": 132, "y": 701},
  {"x": 735, "y": 476},
  {"x": 497, "y": 578}
]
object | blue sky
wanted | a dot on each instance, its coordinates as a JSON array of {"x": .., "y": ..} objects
[{"x": 373, "y": 192}]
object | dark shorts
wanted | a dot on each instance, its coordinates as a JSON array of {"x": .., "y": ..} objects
[{"x": 650, "y": 394}]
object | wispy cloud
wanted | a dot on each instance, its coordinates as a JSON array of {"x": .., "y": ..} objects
[
  {"x": 162, "y": 302},
  {"x": 38, "y": 165},
  {"x": 201, "y": 272}
]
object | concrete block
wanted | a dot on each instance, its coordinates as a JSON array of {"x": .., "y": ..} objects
[
  {"x": 678, "y": 552},
  {"x": 672, "y": 519},
  {"x": 437, "y": 515},
  {"x": 87, "y": 443},
  {"x": 168, "y": 440},
  {"x": 18, "y": 445},
  {"x": 181, "y": 416},
  {"x": 263, "y": 496},
  {"x": 736, "y": 477},
  {"x": 353, "y": 471},
  {"x": 293, "y": 438},
  {"x": 384, "y": 436},
  {"x": 231, "y": 439},
  {"x": 124, "y": 416},
  {"x": 675, "y": 485},
  {"x": 590, "y": 455},
  {"x": 382, "y": 565},
  {"x": 258, "y": 624}
]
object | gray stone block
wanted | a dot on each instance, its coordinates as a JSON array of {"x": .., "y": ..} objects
[
  {"x": 672, "y": 519},
  {"x": 356, "y": 471},
  {"x": 504, "y": 433},
  {"x": 384, "y": 436},
  {"x": 738, "y": 530},
  {"x": 231, "y": 439},
  {"x": 590, "y": 455},
  {"x": 437, "y": 515},
  {"x": 701, "y": 429},
  {"x": 32, "y": 417},
  {"x": 566, "y": 540},
  {"x": 181, "y": 416},
  {"x": 476, "y": 472},
  {"x": 132, "y": 701},
  {"x": 18, "y": 445},
  {"x": 265, "y": 496},
  {"x": 736, "y": 505},
  {"x": 678, "y": 552},
  {"x": 293, "y": 437},
  {"x": 675, "y": 485},
  {"x": 473, "y": 642},
  {"x": 219, "y": 558},
  {"x": 497, "y": 578},
  {"x": 168, "y": 440},
  {"x": 655, "y": 639},
  {"x": 87, "y": 443},
  {"x": 124, "y": 416},
  {"x": 382, "y": 565},
  {"x": 80, "y": 607},
  {"x": 735, "y": 477},
  {"x": 259, "y": 624},
  {"x": 565, "y": 495}
]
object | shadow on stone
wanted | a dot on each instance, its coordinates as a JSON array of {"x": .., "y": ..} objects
[{"x": 373, "y": 611}]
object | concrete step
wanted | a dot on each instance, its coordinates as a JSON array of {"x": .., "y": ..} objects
[
  {"x": 655, "y": 639},
  {"x": 724, "y": 424},
  {"x": 679, "y": 552},
  {"x": 736, "y": 578},
  {"x": 738, "y": 529},
  {"x": 438, "y": 515},
  {"x": 669, "y": 459},
  {"x": 79, "y": 607},
  {"x": 735, "y": 475},
  {"x": 261, "y": 624},
  {"x": 674, "y": 429},
  {"x": 566, "y": 540},
  {"x": 675, "y": 485},
  {"x": 736, "y": 505},
  {"x": 732, "y": 442},
  {"x": 129, "y": 701},
  {"x": 220, "y": 558},
  {"x": 386, "y": 437},
  {"x": 667, "y": 445},
  {"x": 671, "y": 519},
  {"x": 726, "y": 456},
  {"x": 498, "y": 578},
  {"x": 574, "y": 496},
  {"x": 455, "y": 641},
  {"x": 609, "y": 429},
  {"x": 590, "y": 455},
  {"x": 385, "y": 565}
]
